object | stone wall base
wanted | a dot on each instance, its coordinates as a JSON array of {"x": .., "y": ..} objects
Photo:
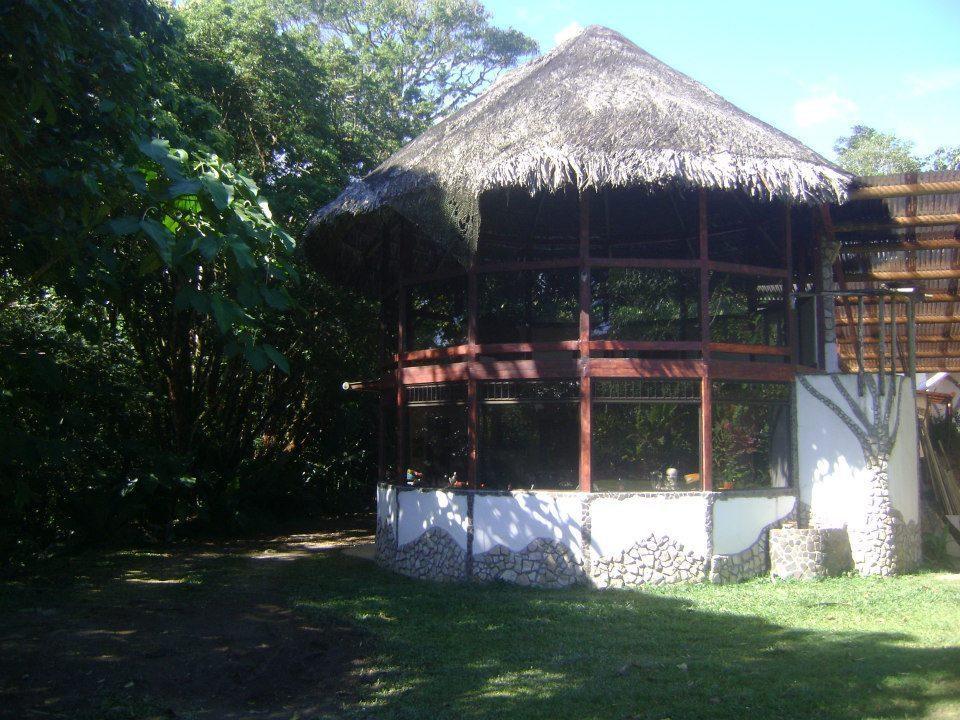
[{"x": 797, "y": 554}]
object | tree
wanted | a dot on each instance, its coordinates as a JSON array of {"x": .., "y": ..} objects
[
  {"x": 867, "y": 151},
  {"x": 398, "y": 65},
  {"x": 138, "y": 261},
  {"x": 943, "y": 158}
]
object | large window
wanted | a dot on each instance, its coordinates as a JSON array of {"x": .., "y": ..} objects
[
  {"x": 747, "y": 310},
  {"x": 643, "y": 430},
  {"x": 751, "y": 435},
  {"x": 528, "y": 306},
  {"x": 437, "y": 314},
  {"x": 529, "y": 435},
  {"x": 645, "y": 304},
  {"x": 437, "y": 418}
]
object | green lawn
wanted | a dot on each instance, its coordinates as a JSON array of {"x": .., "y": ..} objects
[
  {"x": 843, "y": 648},
  {"x": 327, "y": 636}
]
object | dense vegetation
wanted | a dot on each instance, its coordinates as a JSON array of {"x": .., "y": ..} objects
[{"x": 167, "y": 358}]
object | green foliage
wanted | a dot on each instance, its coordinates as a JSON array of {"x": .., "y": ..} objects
[
  {"x": 943, "y": 158},
  {"x": 397, "y": 65},
  {"x": 168, "y": 358},
  {"x": 867, "y": 151}
]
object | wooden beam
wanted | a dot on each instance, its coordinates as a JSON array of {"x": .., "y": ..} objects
[
  {"x": 761, "y": 372},
  {"x": 644, "y": 368},
  {"x": 900, "y": 221},
  {"x": 944, "y": 243},
  {"x": 921, "y": 319},
  {"x": 644, "y": 345},
  {"x": 755, "y": 270},
  {"x": 706, "y": 397},
  {"x": 473, "y": 402},
  {"x": 653, "y": 263},
  {"x": 925, "y": 354},
  {"x": 586, "y": 425},
  {"x": 743, "y": 349},
  {"x": 877, "y": 192},
  {"x": 819, "y": 301},
  {"x": 788, "y": 299},
  {"x": 884, "y": 275}
]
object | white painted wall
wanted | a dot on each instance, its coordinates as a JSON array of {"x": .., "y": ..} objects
[
  {"x": 904, "y": 463},
  {"x": 737, "y": 521},
  {"x": 518, "y": 518},
  {"x": 832, "y": 472},
  {"x": 617, "y": 524},
  {"x": 386, "y": 504},
  {"x": 421, "y": 510}
]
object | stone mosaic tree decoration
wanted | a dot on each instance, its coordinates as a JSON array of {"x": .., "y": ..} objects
[{"x": 874, "y": 544}]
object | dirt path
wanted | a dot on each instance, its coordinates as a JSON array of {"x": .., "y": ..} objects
[{"x": 196, "y": 632}]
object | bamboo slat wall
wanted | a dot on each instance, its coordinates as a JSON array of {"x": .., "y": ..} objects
[{"x": 904, "y": 230}]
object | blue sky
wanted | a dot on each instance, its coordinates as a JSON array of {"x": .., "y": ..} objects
[{"x": 811, "y": 68}]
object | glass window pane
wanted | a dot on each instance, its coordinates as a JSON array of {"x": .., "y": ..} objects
[
  {"x": 528, "y": 306},
  {"x": 437, "y": 416},
  {"x": 438, "y": 442},
  {"x": 529, "y": 435},
  {"x": 751, "y": 435},
  {"x": 438, "y": 314},
  {"x": 635, "y": 443},
  {"x": 644, "y": 304},
  {"x": 747, "y": 310}
]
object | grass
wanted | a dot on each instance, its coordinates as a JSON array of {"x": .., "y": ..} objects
[
  {"x": 847, "y": 648},
  {"x": 842, "y": 648}
]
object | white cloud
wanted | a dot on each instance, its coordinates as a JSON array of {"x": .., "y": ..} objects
[
  {"x": 822, "y": 105},
  {"x": 568, "y": 32},
  {"x": 934, "y": 81}
]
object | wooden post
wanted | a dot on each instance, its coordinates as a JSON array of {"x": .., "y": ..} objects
[
  {"x": 473, "y": 408},
  {"x": 402, "y": 255},
  {"x": 383, "y": 355},
  {"x": 706, "y": 394},
  {"x": 585, "y": 394},
  {"x": 791, "y": 316},
  {"x": 401, "y": 410},
  {"x": 819, "y": 307}
]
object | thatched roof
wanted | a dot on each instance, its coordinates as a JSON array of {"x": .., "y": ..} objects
[{"x": 595, "y": 112}]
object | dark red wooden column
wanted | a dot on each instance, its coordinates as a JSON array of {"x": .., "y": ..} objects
[
  {"x": 401, "y": 414},
  {"x": 585, "y": 394},
  {"x": 403, "y": 250},
  {"x": 791, "y": 315},
  {"x": 818, "y": 300},
  {"x": 706, "y": 394},
  {"x": 473, "y": 402}
]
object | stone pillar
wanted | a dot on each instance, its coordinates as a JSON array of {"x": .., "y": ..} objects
[
  {"x": 831, "y": 352},
  {"x": 873, "y": 543},
  {"x": 796, "y": 554}
]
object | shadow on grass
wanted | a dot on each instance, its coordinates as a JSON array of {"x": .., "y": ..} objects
[
  {"x": 506, "y": 652},
  {"x": 247, "y": 635}
]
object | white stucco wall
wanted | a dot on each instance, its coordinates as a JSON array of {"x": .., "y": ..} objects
[
  {"x": 904, "y": 463},
  {"x": 737, "y": 521},
  {"x": 831, "y": 470},
  {"x": 619, "y": 523},
  {"x": 516, "y": 519},
  {"x": 386, "y": 504},
  {"x": 422, "y": 510}
]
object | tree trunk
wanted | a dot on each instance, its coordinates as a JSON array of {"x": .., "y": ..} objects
[{"x": 873, "y": 543}]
